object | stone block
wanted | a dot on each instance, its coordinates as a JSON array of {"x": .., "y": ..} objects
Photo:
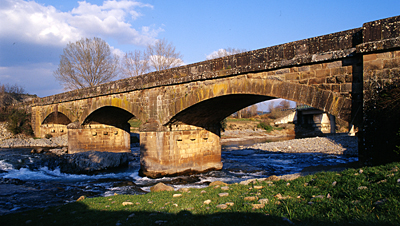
[
  {"x": 339, "y": 71},
  {"x": 391, "y": 63},
  {"x": 323, "y": 73},
  {"x": 335, "y": 64},
  {"x": 346, "y": 88},
  {"x": 316, "y": 81},
  {"x": 369, "y": 57},
  {"x": 292, "y": 76},
  {"x": 373, "y": 65}
]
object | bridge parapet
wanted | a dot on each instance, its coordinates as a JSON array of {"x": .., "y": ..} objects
[{"x": 322, "y": 48}]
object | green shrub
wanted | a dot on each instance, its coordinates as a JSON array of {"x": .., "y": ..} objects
[
  {"x": 265, "y": 126},
  {"x": 19, "y": 122},
  {"x": 135, "y": 123}
]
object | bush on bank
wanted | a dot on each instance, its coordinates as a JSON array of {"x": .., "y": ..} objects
[
  {"x": 18, "y": 121},
  {"x": 366, "y": 196}
]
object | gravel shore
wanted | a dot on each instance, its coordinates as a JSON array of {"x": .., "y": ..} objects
[
  {"x": 30, "y": 142},
  {"x": 339, "y": 145}
]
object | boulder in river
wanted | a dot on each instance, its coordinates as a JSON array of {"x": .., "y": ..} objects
[{"x": 92, "y": 161}]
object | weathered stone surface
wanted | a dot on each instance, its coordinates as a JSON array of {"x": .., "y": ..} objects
[
  {"x": 222, "y": 206},
  {"x": 161, "y": 187},
  {"x": 127, "y": 203},
  {"x": 223, "y": 194},
  {"x": 92, "y": 161},
  {"x": 258, "y": 206},
  {"x": 184, "y": 189},
  {"x": 250, "y": 198},
  {"x": 273, "y": 178},
  {"x": 179, "y": 152},
  {"x": 335, "y": 72},
  {"x": 263, "y": 201},
  {"x": 214, "y": 183}
]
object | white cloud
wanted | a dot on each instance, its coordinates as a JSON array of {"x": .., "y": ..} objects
[
  {"x": 224, "y": 52},
  {"x": 28, "y": 21},
  {"x": 32, "y": 37}
]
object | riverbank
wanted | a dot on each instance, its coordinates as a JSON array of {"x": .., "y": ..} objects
[{"x": 365, "y": 196}]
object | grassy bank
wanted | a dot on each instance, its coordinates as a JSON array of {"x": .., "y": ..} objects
[{"x": 367, "y": 196}]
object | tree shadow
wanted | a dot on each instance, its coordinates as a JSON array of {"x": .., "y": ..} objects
[{"x": 79, "y": 213}]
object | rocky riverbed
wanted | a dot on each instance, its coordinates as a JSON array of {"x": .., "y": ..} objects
[
  {"x": 42, "y": 179},
  {"x": 335, "y": 144}
]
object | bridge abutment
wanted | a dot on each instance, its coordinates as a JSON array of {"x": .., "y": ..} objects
[{"x": 180, "y": 151}]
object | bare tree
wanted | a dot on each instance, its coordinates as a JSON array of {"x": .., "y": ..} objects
[
  {"x": 135, "y": 63},
  {"x": 283, "y": 105},
  {"x": 162, "y": 55},
  {"x": 248, "y": 112},
  {"x": 279, "y": 110},
  {"x": 85, "y": 63},
  {"x": 10, "y": 94},
  {"x": 224, "y": 52}
]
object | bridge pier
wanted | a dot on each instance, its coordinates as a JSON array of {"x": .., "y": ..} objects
[
  {"x": 179, "y": 151},
  {"x": 97, "y": 137}
]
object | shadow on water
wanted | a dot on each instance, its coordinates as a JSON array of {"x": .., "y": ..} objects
[{"x": 79, "y": 213}]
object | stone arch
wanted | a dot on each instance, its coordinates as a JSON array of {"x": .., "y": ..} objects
[
  {"x": 209, "y": 111},
  {"x": 111, "y": 102},
  {"x": 54, "y": 123},
  {"x": 258, "y": 88},
  {"x": 55, "y": 112},
  {"x": 56, "y": 117},
  {"x": 108, "y": 115}
]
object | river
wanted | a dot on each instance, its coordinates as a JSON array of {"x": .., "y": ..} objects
[{"x": 24, "y": 185}]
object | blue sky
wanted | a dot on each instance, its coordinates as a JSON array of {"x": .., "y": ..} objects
[{"x": 33, "y": 33}]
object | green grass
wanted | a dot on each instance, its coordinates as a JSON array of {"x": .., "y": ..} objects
[{"x": 370, "y": 197}]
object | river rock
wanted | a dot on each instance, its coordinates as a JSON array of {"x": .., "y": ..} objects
[
  {"x": 263, "y": 201},
  {"x": 161, "y": 187},
  {"x": 92, "y": 161},
  {"x": 183, "y": 189},
  {"x": 273, "y": 178},
  {"x": 223, "y": 194},
  {"x": 58, "y": 151},
  {"x": 250, "y": 198},
  {"x": 222, "y": 206},
  {"x": 214, "y": 183},
  {"x": 257, "y": 206}
]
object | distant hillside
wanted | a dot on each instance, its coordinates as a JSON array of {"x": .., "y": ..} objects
[{"x": 7, "y": 99}]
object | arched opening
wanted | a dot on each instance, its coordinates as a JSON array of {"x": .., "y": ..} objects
[
  {"x": 304, "y": 121},
  {"x": 214, "y": 110},
  {"x": 109, "y": 115},
  {"x": 54, "y": 125},
  {"x": 56, "y": 118},
  {"x": 105, "y": 129}
]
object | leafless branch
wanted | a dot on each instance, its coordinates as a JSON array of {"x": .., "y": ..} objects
[{"x": 85, "y": 63}]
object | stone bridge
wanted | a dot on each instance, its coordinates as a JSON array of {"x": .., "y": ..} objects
[{"x": 181, "y": 108}]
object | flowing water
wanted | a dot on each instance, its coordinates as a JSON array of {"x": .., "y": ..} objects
[{"x": 25, "y": 185}]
